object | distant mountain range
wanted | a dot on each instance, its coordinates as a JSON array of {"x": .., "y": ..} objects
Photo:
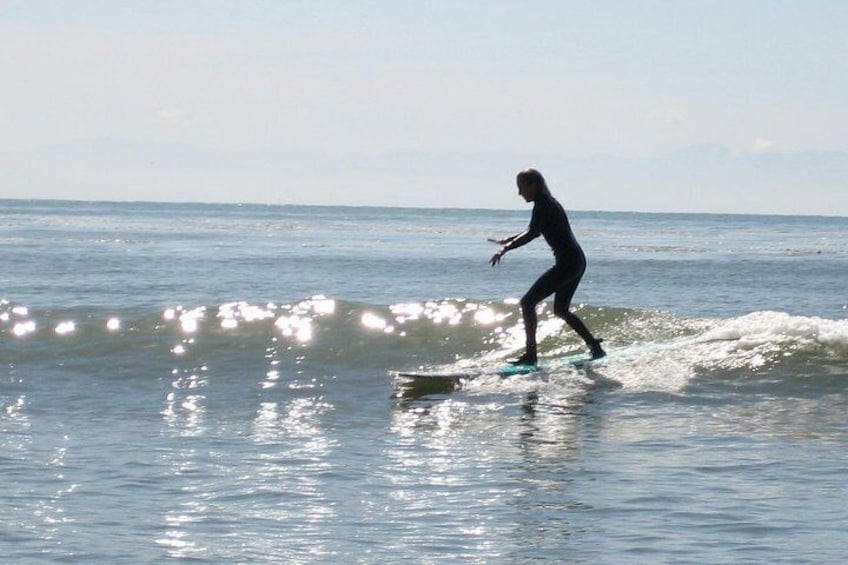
[{"x": 701, "y": 178}]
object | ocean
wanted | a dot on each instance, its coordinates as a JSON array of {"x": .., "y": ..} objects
[{"x": 216, "y": 384}]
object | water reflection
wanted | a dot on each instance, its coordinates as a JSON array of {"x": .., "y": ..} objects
[
  {"x": 185, "y": 405},
  {"x": 277, "y": 475},
  {"x": 490, "y": 469},
  {"x": 65, "y": 328},
  {"x": 452, "y": 312},
  {"x": 550, "y": 425},
  {"x": 445, "y": 471},
  {"x": 20, "y": 329},
  {"x": 190, "y": 493},
  {"x": 185, "y": 414},
  {"x": 291, "y": 472}
]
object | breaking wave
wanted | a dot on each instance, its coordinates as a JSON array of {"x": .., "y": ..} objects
[{"x": 325, "y": 337}]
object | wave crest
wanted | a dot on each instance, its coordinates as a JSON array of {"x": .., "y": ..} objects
[{"x": 649, "y": 350}]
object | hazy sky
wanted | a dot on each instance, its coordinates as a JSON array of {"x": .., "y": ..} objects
[{"x": 726, "y": 106}]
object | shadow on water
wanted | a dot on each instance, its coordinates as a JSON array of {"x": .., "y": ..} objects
[{"x": 408, "y": 390}]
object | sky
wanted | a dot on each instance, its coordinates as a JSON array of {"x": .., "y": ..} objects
[{"x": 656, "y": 106}]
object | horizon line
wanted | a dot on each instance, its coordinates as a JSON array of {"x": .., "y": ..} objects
[{"x": 400, "y": 207}]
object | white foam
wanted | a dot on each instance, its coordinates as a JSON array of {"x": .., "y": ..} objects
[
  {"x": 755, "y": 342},
  {"x": 778, "y": 328}
]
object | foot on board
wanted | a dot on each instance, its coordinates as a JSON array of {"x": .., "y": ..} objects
[
  {"x": 528, "y": 358},
  {"x": 595, "y": 349}
]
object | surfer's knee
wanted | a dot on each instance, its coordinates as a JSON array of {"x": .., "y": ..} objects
[
  {"x": 528, "y": 303},
  {"x": 564, "y": 311}
]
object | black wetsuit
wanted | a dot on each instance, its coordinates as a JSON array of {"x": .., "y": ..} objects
[{"x": 550, "y": 221}]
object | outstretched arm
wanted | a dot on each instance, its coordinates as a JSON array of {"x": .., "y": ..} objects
[{"x": 511, "y": 243}]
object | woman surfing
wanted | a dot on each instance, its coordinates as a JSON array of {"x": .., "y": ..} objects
[{"x": 551, "y": 222}]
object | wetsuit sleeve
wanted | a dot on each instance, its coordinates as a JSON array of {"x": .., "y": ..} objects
[{"x": 533, "y": 231}]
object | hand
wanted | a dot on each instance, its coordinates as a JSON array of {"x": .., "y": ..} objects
[{"x": 496, "y": 258}]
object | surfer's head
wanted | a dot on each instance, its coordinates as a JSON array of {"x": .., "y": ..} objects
[{"x": 531, "y": 184}]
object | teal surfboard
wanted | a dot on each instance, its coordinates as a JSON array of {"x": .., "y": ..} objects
[{"x": 501, "y": 369}]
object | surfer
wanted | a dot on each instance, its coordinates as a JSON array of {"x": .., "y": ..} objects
[{"x": 550, "y": 221}]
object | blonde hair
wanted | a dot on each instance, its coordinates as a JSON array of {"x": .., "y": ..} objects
[{"x": 535, "y": 178}]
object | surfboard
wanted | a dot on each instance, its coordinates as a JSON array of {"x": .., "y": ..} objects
[
  {"x": 451, "y": 377},
  {"x": 499, "y": 370}
]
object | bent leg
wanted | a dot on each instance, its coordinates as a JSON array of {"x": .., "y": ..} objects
[
  {"x": 541, "y": 289},
  {"x": 562, "y": 308}
]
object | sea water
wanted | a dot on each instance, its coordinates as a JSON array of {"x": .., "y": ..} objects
[{"x": 215, "y": 383}]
